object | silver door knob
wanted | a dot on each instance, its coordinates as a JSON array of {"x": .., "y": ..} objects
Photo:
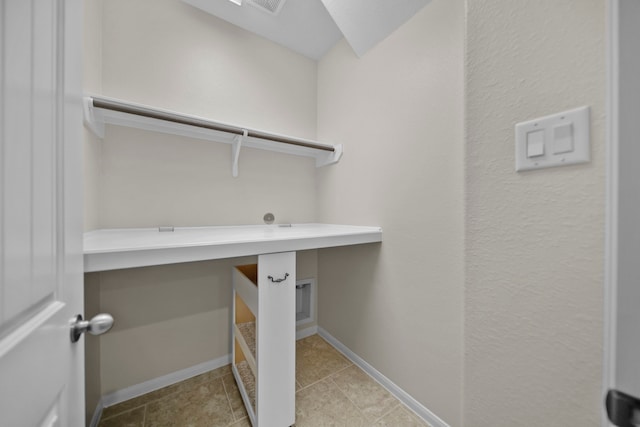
[{"x": 99, "y": 324}]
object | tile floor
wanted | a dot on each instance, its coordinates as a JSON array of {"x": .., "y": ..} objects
[{"x": 330, "y": 391}]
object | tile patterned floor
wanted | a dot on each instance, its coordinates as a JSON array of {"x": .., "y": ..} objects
[{"x": 330, "y": 391}]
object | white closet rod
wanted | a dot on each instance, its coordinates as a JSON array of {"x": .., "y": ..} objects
[{"x": 109, "y": 104}]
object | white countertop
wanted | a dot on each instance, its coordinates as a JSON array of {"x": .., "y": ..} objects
[{"x": 114, "y": 249}]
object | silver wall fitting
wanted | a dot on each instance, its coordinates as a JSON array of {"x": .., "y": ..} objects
[{"x": 268, "y": 218}]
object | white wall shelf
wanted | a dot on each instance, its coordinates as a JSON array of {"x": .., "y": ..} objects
[
  {"x": 100, "y": 111},
  {"x": 113, "y": 249}
]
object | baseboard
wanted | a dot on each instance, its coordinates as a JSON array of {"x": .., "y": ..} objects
[
  {"x": 404, "y": 397},
  {"x": 172, "y": 378},
  {"x": 163, "y": 381},
  {"x": 306, "y": 332},
  {"x": 97, "y": 413}
]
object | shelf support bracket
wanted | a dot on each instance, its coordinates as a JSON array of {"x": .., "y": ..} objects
[
  {"x": 325, "y": 159},
  {"x": 235, "y": 152},
  {"x": 92, "y": 118}
]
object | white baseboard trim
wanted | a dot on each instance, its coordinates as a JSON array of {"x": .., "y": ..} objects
[
  {"x": 404, "y": 397},
  {"x": 163, "y": 381},
  {"x": 172, "y": 378},
  {"x": 97, "y": 413},
  {"x": 306, "y": 332}
]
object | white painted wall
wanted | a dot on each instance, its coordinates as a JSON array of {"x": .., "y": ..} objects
[
  {"x": 170, "y": 55},
  {"x": 167, "y": 54},
  {"x": 399, "y": 111},
  {"x": 534, "y": 240},
  {"x": 92, "y": 83}
]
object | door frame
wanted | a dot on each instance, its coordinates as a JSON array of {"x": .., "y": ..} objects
[
  {"x": 72, "y": 198},
  {"x": 615, "y": 141},
  {"x": 611, "y": 203}
]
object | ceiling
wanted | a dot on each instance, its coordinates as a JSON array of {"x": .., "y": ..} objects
[{"x": 312, "y": 27}]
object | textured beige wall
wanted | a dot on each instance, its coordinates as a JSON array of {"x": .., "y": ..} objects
[
  {"x": 167, "y": 54},
  {"x": 398, "y": 110},
  {"x": 534, "y": 240}
]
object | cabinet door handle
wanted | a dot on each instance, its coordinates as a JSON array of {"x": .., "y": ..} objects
[{"x": 278, "y": 280}]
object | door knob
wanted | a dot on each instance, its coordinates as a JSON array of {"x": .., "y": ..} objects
[
  {"x": 99, "y": 324},
  {"x": 623, "y": 410}
]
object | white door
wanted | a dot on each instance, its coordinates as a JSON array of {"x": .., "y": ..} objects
[
  {"x": 622, "y": 321},
  {"x": 41, "y": 371}
]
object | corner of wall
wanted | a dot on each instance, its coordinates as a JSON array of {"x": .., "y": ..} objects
[
  {"x": 93, "y": 374},
  {"x": 92, "y": 75},
  {"x": 399, "y": 111}
]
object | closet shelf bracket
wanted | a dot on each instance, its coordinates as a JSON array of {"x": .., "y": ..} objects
[
  {"x": 100, "y": 111},
  {"x": 95, "y": 124},
  {"x": 235, "y": 152}
]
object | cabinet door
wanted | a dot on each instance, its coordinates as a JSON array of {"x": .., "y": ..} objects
[{"x": 276, "y": 331}]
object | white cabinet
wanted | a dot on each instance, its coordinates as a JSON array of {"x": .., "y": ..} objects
[{"x": 264, "y": 329}]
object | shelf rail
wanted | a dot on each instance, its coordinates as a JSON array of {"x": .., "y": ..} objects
[
  {"x": 152, "y": 113},
  {"x": 99, "y": 111}
]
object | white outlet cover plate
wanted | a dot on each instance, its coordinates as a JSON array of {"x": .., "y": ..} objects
[{"x": 581, "y": 153}]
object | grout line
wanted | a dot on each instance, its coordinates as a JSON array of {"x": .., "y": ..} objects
[
  {"x": 328, "y": 376},
  {"x": 342, "y": 369},
  {"x": 224, "y": 387},
  {"x": 144, "y": 416},
  {"x": 369, "y": 377},
  {"x": 237, "y": 421},
  {"x": 120, "y": 413},
  {"x": 349, "y": 399},
  {"x": 325, "y": 378},
  {"x": 349, "y": 364},
  {"x": 307, "y": 386},
  {"x": 397, "y": 405}
]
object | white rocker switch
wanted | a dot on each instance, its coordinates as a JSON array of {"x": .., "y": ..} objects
[
  {"x": 563, "y": 138},
  {"x": 535, "y": 143}
]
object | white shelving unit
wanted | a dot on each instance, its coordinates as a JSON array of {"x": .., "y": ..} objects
[
  {"x": 264, "y": 331},
  {"x": 99, "y": 111}
]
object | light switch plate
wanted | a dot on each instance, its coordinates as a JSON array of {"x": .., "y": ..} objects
[{"x": 566, "y": 140}]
